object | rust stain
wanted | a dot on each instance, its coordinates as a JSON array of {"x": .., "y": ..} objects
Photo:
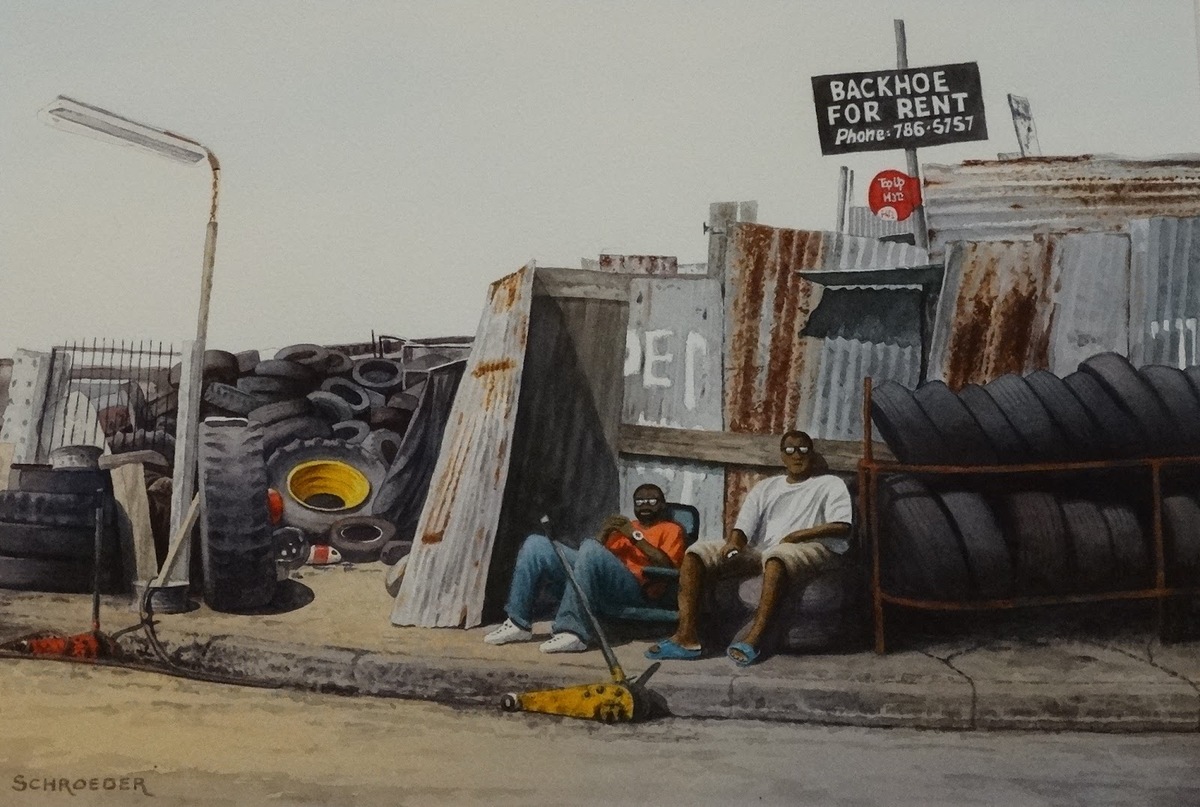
[
  {"x": 495, "y": 366},
  {"x": 433, "y": 537},
  {"x": 506, "y": 291}
]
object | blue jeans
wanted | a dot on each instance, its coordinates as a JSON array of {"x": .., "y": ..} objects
[{"x": 605, "y": 581}]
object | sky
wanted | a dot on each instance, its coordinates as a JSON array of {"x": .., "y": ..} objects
[{"x": 383, "y": 162}]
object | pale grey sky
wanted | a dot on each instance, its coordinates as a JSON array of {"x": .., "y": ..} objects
[{"x": 383, "y": 161}]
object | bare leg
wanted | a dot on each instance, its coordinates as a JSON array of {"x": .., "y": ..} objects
[
  {"x": 691, "y": 585},
  {"x": 774, "y": 586}
]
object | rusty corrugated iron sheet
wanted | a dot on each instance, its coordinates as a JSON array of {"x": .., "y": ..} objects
[
  {"x": 447, "y": 570},
  {"x": 1008, "y": 200},
  {"x": 861, "y": 222},
  {"x": 640, "y": 264},
  {"x": 767, "y": 307},
  {"x": 1165, "y": 291},
  {"x": 831, "y": 403},
  {"x": 673, "y": 378},
  {"x": 993, "y": 312},
  {"x": 1089, "y": 290}
]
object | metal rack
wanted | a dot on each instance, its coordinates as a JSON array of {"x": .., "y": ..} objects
[{"x": 869, "y": 471}]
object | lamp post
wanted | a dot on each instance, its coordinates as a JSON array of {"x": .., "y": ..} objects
[{"x": 78, "y": 117}]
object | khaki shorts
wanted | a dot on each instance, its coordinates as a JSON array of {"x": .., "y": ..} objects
[{"x": 802, "y": 561}]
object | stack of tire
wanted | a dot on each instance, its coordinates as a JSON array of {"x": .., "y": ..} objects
[
  {"x": 48, "y": 530},
  {"x": 995, "y": 536},
  {"x": 331, "y": 425}
]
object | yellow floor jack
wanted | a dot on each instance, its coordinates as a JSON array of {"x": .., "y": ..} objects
[{"x": 623, "y": 700}]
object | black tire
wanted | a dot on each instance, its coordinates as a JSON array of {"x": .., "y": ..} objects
[
  {"x": 386, "y": 417},
  {"x": 41, "y": 574},
  {"x": 246, "y": 361},
  {"x": 986, "y": 552},
  {"x": 967, "y": 443},
  {"x": 393, "y": 551},
  {"x": 361, "y": 539},
  {"x": 1131, "y": 556},
  {"x": 306, "y": 427},
  {"x": 905, "y": 428},
  {"x": 269, "y": 414},
  {"x": 141, "y": 440},
  {"x": 1029, "y": 417},
  {"x": 330, "y": 406},
  {"x": 1119, "y": 436},
  {"x": 1131, "y": 392},
  {"x": 404, "y": 401},
  {"x": 348, "y": 391},
  {"x": 1181, "y": 530},
  {"x": 309, "y": 355},
  {"x": 383, "y": 443},
  {"x": 1033, "y": 521},
  {"x": 235, "y": 527},
  {"x": 219, "y": 365},
  {"x": 53, "y": 543},
  {"x": 382, "y": 375},
  {"x": 1072, "y": 419},
  {"x": 351, "y": 431},
  {"x": 1007, "y": 442},
  {"x": 282, "y": 368},
  {"x": 1172, "y": 387},
  {"x": 317, "y": 522},
  {"x": 49, "y": 509},
  {"x": 273, "y": 386},
  {"x": 229, "y": 398},
  {"x": 291, "y": 546},
  {"x": 921, "y": 551},
  {"x": 1091, "y": 544},
  {"x": 44, "y": 479},
  {"x": 338, "y": 363}
]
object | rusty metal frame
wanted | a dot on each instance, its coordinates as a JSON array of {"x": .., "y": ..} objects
[{"x": 869, "y": 472}]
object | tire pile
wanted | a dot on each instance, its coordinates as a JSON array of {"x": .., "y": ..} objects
[
  {"x": 995, "y": 536},
  {"x": 48, "y": 530},
  {"x": 318, "y": 428}
]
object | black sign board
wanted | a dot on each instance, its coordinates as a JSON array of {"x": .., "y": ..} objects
[{"x": 899, "y": 109}]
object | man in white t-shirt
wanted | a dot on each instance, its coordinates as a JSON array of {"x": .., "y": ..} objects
[{"x": 790, "y": 528}]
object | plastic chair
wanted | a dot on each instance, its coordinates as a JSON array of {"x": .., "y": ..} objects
[{"x": 688, "y": 517}]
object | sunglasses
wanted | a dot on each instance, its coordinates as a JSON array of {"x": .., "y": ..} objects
[
  {"x": 790, "y": 450},
  {"x": 644, "y": 502}
]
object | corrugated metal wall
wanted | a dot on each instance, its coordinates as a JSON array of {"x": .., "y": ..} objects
[
  {"x": 1014, "y": 199},
  {"x": 673, "y": 378},
  {"x": 770, "y": 371},
  {"x": 1089, "y": 293},
  {"x": 861, "y": 222},
  {"x": 1164, "y": 301},
  {"x": 447, "y": 569}
]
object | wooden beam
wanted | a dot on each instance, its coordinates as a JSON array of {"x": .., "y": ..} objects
[{"x": 731, "y": 448}]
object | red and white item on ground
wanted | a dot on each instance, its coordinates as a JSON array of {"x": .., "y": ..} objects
[
  {"x": 323, "y": 555},
  {"x": 893, "y": 195}
]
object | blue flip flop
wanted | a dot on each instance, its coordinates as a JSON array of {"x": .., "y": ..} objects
[
  {"x": 749, "y": 654},
  {"x": 669, "y": 649}
]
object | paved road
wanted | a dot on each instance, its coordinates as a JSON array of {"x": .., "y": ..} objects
[{"x": 202, "y": 744}]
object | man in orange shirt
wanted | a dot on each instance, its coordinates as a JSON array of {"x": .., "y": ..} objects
[{"x": 609, "y": 571}]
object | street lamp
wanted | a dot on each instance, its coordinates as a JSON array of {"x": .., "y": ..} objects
[{"x": 75, "y": 116}]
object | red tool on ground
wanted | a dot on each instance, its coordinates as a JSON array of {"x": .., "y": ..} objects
[{"x": 80, "y": 646}]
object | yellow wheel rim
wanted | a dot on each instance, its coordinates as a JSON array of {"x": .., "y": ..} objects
[{"x": 328, "y": 485}]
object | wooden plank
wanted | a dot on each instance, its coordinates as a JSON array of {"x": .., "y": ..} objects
[
  {"x": 133, "y": 521},
  {"x": 733, "y": 448},
  {"x": 187, "y": 431},
  {"x": 581, "y": 284},
  {"x": 6, "y": 461}
]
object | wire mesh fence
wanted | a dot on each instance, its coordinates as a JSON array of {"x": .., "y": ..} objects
[{"x": 114, "y": 394}]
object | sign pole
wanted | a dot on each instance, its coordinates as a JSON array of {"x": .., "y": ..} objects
[{"x": 920, "y": 230}]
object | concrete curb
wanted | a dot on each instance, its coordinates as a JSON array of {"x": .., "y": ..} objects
[{"x": 919, "y": 691}]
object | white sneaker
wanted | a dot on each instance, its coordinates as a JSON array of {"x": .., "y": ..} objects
[
  {"x": 508, "y": 632},
  {"x": 563, "y": 643}
]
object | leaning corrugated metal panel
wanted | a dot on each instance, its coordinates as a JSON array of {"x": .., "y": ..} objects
[
  {"x": 993, "y": 312},
  {"x": 447, "y": 569},
  {"x": 1014, "y": 199},
  {"x": 1089, "y": 293},
  {"x": 1165, "y": 292},
  {"x": 832, "y": 408},
  {"x": 767, "y": 306}
]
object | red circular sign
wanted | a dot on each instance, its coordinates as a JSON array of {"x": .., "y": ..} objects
[{"x": 893, "y": 195}]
